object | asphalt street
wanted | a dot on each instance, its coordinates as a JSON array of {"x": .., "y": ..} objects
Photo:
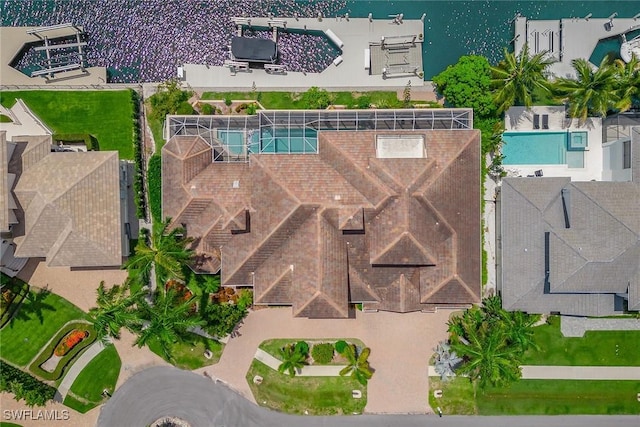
[{"x": 167, "y": 391}]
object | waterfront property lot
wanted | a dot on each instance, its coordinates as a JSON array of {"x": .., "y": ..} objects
[
  {"x": 108, "y": 115},
  {"x": 596, "y": 348},
  {"x": 305, "y": 395},
  {"x": 100, "y": 374},
  {"x": 39, "y": 317},
  {"x": 537, "y": 397}
]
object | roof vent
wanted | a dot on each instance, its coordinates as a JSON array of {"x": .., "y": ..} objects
[{"x": 236, "y": 184}]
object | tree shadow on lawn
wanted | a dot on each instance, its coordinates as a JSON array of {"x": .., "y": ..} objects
[{"x": 32, "y": 305}]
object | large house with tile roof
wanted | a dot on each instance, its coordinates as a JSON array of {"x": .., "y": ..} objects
[
  {"x": 388, "y": 219},
  {"x": 62, "y": 206}
]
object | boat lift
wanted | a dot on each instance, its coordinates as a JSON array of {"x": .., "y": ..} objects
[{"x": 50, "y": 66}]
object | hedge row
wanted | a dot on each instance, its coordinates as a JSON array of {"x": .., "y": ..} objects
[
  {"x": 24, "y": 386},
  {"x": 138, "y": 181},
  {"x": 154, "y": 180},
  {"x": 67, "y": 359}
]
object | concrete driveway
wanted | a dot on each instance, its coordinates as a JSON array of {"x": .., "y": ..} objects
[{"x": 401, "y": 345}]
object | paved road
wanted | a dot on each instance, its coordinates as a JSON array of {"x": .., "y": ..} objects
[{"x": 162, "y": 391}]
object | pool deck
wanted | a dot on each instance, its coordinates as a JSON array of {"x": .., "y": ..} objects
[
  {"x": 519, "y": 119},
  {"x": 12, "y": 40},
  {"x": 356, "y": 33},
  {"x": 568, "y": 39}
]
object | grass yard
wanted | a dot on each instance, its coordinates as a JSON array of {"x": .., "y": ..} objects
[
  {"x": 596, "y": 348},
  {"x": 291, "y": 100},
  {"x": 561, "y": 397},
  {"x": 190, "y": 354},
  {"x": 317, "y": 395},
  {"x": 457, "y": 397},
  {"x": 100, "y": 374},
  {"x": 33, "y": 325},
  {"x": 538, "y": 397},
  {"x": 108, "y": 115}
]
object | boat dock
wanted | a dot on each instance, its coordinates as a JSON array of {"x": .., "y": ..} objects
[
  {"x": 71, "y": 72},
  {"x": 567, "y": 39},
  {"x": 374, "y": 53}
]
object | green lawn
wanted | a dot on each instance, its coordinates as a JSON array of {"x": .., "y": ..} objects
[
  {"x": 290, "y": 100},
  {"x": 457, "y": 397},
  {"x": 595, "y": 348},
  {"x": 538, "y": 397},
  {"x": 106, "y": 114},
  {"x": 190, "y": 354},
  {"x": 560, "y": 397},
  {"x": 100, "y": 374},
  {"x": 317, "y": 395},
  {"x": 33, "y": 325}
]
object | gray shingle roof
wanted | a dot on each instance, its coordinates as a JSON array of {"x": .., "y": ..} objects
[{"x": 595, "y": 258}]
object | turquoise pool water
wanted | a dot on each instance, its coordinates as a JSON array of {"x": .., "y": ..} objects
[
  {"x": 534, "y": 148},
  {"x": 293, "y": 141},
  {"x": 233, "y": 139}
]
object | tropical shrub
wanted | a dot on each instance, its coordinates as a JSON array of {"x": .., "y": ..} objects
[
  {"x": 302, "y": 347},
  {"x": 207, "y": 109},
  {"x": 292, "y": 359},
  {"x": 316, "y": 99},
  {"x": 24, "y": 386},
  {"x": 167, "y": 100},
  {"x": 322, "y": 353},
  {"x": 341, "y": 346},
  {"x": 491, "y": 342},
  {"x": 358, "y": 367}
]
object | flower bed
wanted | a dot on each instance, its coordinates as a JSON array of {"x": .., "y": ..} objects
[
  {"x": 325, "y": 349},
  {"x": 69, "y": 356},
  {"x": 71, "y": 340}
]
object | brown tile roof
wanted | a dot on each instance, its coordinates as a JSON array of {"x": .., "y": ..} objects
[
  {"x": 343, "y": 225},
  {"x": 71, "y": 204}
]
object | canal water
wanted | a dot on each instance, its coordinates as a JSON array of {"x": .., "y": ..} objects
[{"x": 144, "y": 40}]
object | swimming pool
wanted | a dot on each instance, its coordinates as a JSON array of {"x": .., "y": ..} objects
[{"x": 544, "y": 148}]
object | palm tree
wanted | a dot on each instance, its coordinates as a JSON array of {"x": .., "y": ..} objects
[
  {"x": 292, "y": 360},
  {"x": 115, "y": 310},
  {"x": 167, "y": 253},
  {"x": 517, "y": 77},
  {"x": 628, "y": 83},
  {"x": 358, "y": 365},
  {"x": 592, "y": 92},
  {"x": 167, "y": 320},
  {"x": 489, "y": 358},
  {"x": 520, "y": 327}
]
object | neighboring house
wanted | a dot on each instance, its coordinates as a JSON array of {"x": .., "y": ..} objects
[
  {"x": 571, "y": 247},
  {"x": 543, "y": 140},
  {"x": 619, "y": 132},
  {"x": 64, "y": 207},
  {"x": 387, "y": 218}
]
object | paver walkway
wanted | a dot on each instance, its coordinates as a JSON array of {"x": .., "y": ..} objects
[
  {"x": 78, "y": 366},
  {"x": 545, "y": 372},
  {"x": 305, "y": 371},
  {"x": 577, "y": 326}
]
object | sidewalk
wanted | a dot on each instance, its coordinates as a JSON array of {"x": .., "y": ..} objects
[
  {"x": 542, "y": 372},
  {"x": 78, "y": 366},
  {"x": 305, "y": 371}
]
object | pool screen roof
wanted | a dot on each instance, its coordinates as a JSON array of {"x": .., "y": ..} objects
[{"x": 254, "y": 49}]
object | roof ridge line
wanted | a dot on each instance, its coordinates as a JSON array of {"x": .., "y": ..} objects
[
  {"x": 605, "y": 210},
  {"x": 437, "y": 175}
]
